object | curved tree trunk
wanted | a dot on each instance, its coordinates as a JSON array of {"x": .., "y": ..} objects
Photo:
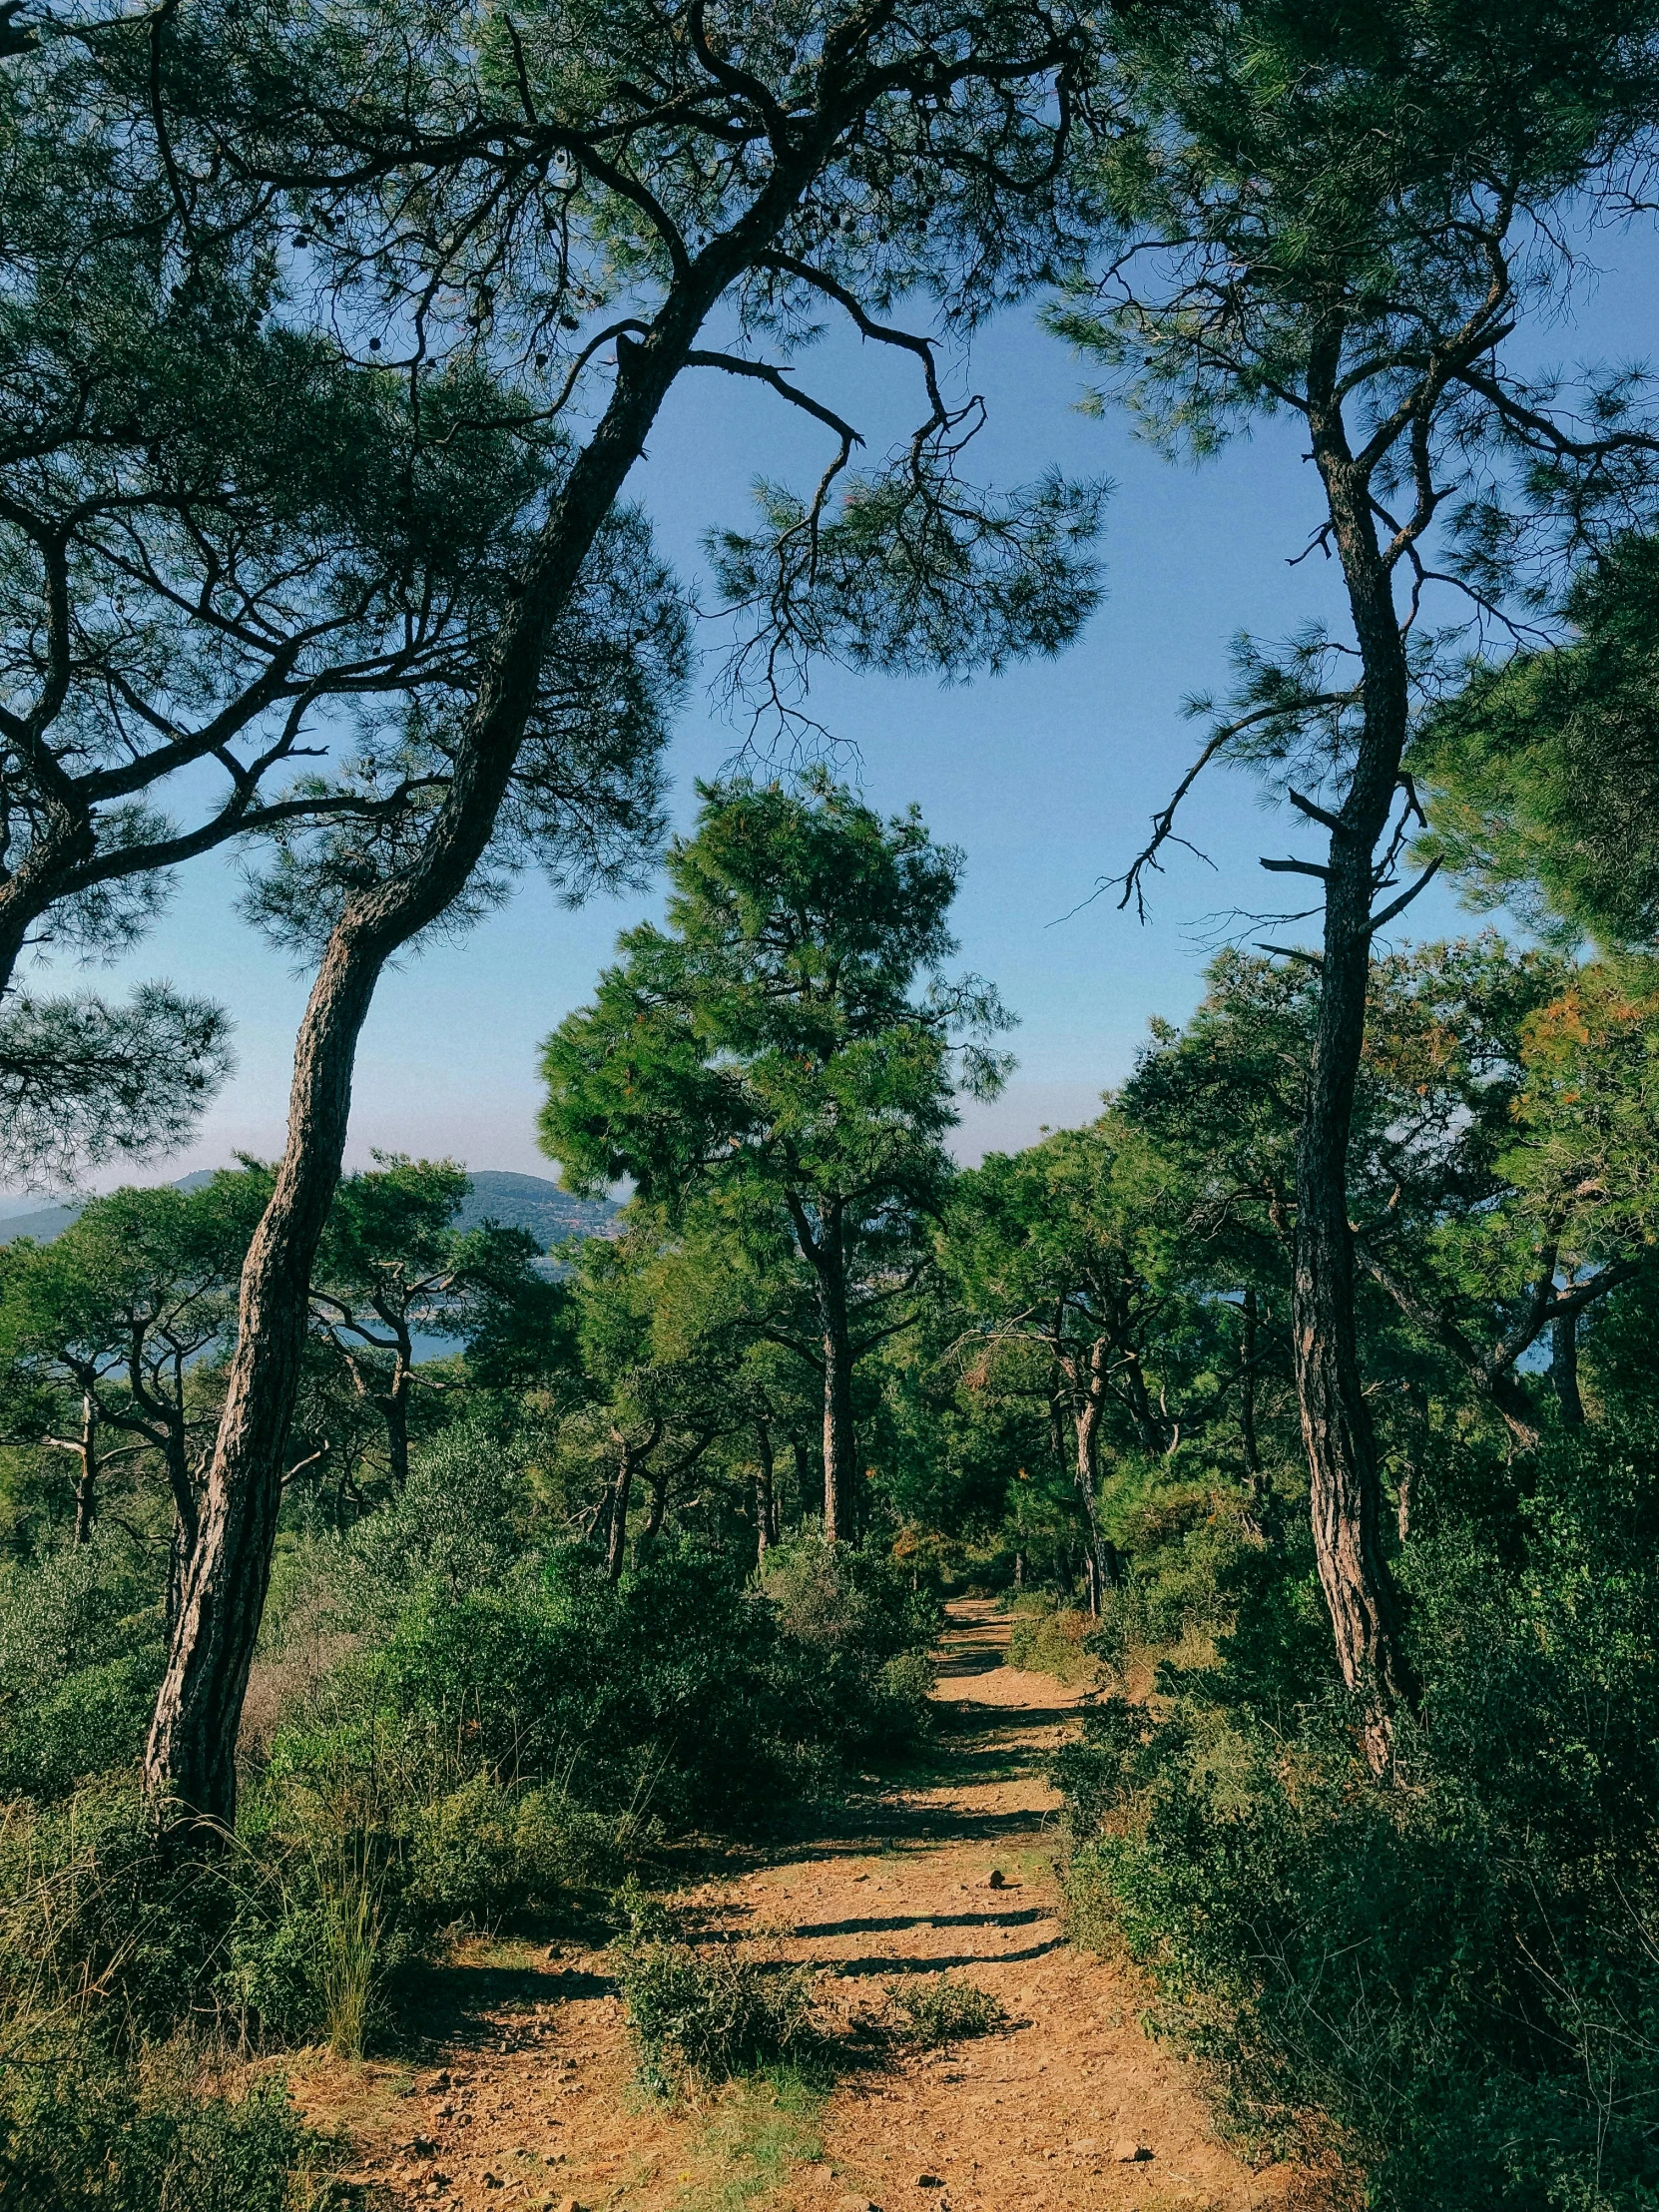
[{"x": 192, "y": 1748}]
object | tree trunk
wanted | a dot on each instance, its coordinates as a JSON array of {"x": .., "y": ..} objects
[
  {"x": 840, "y": 1443},
  {"x": 805, "y": 1483},
  {"x": 1100, "y": 1566},
  {"x": 1563, "y": 1369},
  {"x": 1344, "y": 1482},
  {"x": 617, "y": 1535},
  {"x": 396, "y": 1403},
  {"x": 765, "y": 1501},
  {"x": 86, "y": 1482},
  {"x": 192, "y": 1750},
  {"x": 654, "y": 1515}
]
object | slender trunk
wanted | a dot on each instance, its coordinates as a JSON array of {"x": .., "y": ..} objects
[
  {"x": 840, "y": 1443},
  {"x": 805, "y": 1482},
  {"x": 765, "y": 1502},
  {"x": 86, "y": 1482},
  {"x": 617, "y": 1536},
  {"x": 1344, "y": 1484},
  {"x": 1563, "y": 1369},
  {"x": 1019, "y": 1572},
  {"x": 396, "y": 1404},
  {"x": 192, "y": 1748},
  {"x": 1100, "y": 1559},
  {"x": 1404, "y": 1500}
]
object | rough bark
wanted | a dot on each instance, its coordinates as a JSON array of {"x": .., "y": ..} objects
[
  {"x": 1344, "y": 1486},
  {"x": 1563, "y": 1369},
  {"x": 395, "y": 1406},
  {"x": 616, "y": 1536}
]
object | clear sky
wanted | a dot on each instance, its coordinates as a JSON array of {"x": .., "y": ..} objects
[{"x": 1045, "y": 777}]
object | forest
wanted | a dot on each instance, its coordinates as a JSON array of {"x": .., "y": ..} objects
[{"x": 388, "y": 1592}]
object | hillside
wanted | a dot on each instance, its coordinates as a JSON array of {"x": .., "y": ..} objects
[
  {"x": 531, "y": 1202},
  {"x": 534, "y": 1203}
]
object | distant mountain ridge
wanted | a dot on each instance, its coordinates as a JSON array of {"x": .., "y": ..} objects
[{"x": 529, "y": 1202}]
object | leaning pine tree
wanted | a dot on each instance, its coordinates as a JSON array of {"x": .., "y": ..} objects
[
  {"x": 770, "y": 1050},
  {"x": 593, "y": 204}
]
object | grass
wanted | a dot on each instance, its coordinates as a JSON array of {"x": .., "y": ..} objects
[
  {"x": 759, "y": 2128},
  {"x": 349, "y": 1965}
]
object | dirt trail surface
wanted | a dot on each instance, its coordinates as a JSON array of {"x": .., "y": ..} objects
[{"x": 1069, "y": 2105}]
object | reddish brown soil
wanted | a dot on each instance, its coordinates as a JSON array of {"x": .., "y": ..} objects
[{"x": 1069, "y": 2105}]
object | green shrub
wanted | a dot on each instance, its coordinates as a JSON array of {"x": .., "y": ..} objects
[
  {"x": 1049, "y": 1638},
  {"x": 677, "y": 1695},
  {"x": 711, "y": 2015},
  {"x": 945, "y": 2009},
  {"x": 82, "y": 1645},
  {"x": 1459, "y": 1973},
  {"x": 855, "y": 1638},
  {"x": 146, "y": 2138},
  {"x": 108, "y": 1921}
]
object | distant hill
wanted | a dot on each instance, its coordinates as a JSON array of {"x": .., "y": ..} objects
[{"x": 529, "y": 1202}]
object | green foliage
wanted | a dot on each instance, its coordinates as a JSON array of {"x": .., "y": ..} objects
[
  {"x": 944, "y": 2009},
  {"x": 707, "y": 2015},
  {"x": 1048, "y": 1638},
  {"x": 673, "y": 1690},
  {"x": 81, "y": 1650},
  {"x": 770, "y": 1033},
  {"x": 788, "y": 1052},
  {"x": 150, "y": 2138},
  {"x": 1543, "y": 772},
  {"x": 1455, "y": 1977}
]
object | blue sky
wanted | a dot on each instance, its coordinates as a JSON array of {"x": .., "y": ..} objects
[{"x": 1045, "y": 776}]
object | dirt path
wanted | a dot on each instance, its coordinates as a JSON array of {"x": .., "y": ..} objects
[{"x": 1069, "y": 2106}]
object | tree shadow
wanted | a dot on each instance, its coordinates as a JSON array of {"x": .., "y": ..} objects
[
  {"x": 857, "y": 1968},
  {"x": 1023, "y": 1919}
]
